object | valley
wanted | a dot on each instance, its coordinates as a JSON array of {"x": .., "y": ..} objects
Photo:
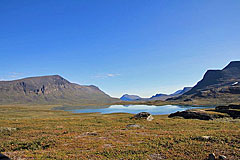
[
  {"x": 36, "y": 132},
  {"x": 37, "y": 121}
]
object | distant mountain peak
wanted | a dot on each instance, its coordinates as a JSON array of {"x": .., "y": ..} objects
[
  {"x": 166, "y": 96},
  {"x": 127, "y": 97}
]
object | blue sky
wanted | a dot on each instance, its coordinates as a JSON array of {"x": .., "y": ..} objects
[{"x": 139, "y": 47}]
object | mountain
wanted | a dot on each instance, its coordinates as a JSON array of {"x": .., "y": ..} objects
[
  {"x": 220, "y": 86},
  {"x": 163, "y": 97},
  {"x": 182, "y": 91},
  {"x": 127, "y": 97},
  {"x": 219, "y": 78},
  {"x": 159, "y": 96},
  {"x": 50, "y": 90}
]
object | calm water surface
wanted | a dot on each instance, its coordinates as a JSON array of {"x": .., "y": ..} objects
[{"x": 155, "y": 110}]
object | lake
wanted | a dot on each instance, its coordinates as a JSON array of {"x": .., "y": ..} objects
[{"x": 155, "y": 110}]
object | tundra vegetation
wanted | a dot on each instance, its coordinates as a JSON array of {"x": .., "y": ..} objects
[{"x": 38, "y": 132}]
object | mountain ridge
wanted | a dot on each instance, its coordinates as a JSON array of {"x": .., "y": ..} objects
[
  {"x": 164, "y": 97},
  {"x": 216, "y": 86},
  {"x": 51, "y": 89},
  {"x": 159, "y": 96}
]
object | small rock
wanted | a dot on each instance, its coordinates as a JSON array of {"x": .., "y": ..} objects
[
  {"x": 7, "y": 129},
  {"x": 206, "y": 137},
  {"x": 222, "y": 157},
  {"x": 107, "y": 145},
  {"x": 92, "y": 133},
  {"x": 156, "y": 157},
  {"x": 133, "y": 126},
  {"x": 150, "y": 118},
  {"x": 203, "y": 138},
  {"x": 211, "y": 156}
]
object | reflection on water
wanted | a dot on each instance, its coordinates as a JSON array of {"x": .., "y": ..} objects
[{"x": 155, "y": 110}]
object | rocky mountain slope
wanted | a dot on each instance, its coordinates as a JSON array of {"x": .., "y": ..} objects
[
  {"x": 182, "y": 91},
  {"x": 159, "y": 96},
  {"x": 50, "y": 90},
  {"x": 163, "y": 97},
  {"x": 217, "y": 86}
]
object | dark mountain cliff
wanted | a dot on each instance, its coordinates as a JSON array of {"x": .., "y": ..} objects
[
  {"x": 218, "y": 86},
  {"x": 49, "y": 90},
  {"x": 214, "y": 79}
]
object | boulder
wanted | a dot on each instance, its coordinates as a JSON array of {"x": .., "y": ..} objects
[
  {"x": 150, "y": 118},
  {"x": 196, "y": 114},
  {"x": 133, "y": 126},
  {"x": 231, "y": 106},
  {"x": 143, "y": 115},
  {"x": 211, "y": 156},
  {"x": 222, "y": 157},
  {"x": 3, "y": 157},
  {"x": 231, "y": 110}
]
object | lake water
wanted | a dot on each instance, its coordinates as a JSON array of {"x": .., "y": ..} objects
[{"x": 155, "y": 110}]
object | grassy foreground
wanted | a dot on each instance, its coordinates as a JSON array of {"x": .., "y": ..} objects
[{"x": 36, "y": 132}]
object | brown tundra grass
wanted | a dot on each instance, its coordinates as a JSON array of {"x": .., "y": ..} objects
[{"x": 36, "y": 132}]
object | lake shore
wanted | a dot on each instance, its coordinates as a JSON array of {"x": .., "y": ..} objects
[{"x": 132, "y": 109}]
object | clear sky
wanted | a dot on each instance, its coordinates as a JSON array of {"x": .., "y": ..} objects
[{"x": 139, "y": 47}]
